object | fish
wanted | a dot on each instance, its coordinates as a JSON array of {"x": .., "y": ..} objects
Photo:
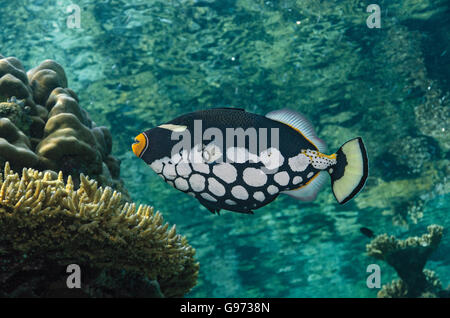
[
  {"x": 234, "y": 160},
  {"x": 367, "y": 232}
]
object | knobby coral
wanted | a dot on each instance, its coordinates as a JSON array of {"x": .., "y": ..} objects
[
  {"x": 44, "y": 127},
  {"x": 408, "y": 257},
  {"x": 47, "y": 224}
]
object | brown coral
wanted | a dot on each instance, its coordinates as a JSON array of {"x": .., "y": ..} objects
[
  {"x": 408, "y": 257},
  {"x": 15, "y": 146},
  {"x": 14, "y": 82},
  {"x": 89, "y": 227},
  {"x": 45, "y": 78},
  {"x": 48, "y": 129},
  {"x": 398, "y": 288}
]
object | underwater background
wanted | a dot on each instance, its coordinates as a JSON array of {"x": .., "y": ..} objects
[{"x": 136, "y": 64}]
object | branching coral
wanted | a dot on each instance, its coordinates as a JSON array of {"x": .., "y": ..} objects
[
  {"x": 408, "y": 257},
  {"x": 46, "y": 225}
]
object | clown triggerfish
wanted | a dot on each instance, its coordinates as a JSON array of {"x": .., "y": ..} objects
[{"x": 230, "y": 159}]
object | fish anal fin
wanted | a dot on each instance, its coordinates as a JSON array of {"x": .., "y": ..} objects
[
  {"x": 211, "y": 209},
  {"x": 309, "y": 191}
]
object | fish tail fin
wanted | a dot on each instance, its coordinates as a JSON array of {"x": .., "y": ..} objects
[{"x": 350, "y": 172}]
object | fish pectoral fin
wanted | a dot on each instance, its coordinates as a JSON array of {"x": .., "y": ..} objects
[{"x": 300, "y": 123}]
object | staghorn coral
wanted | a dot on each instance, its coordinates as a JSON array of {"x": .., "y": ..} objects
[
  {"x": 46, "y": 225},
  {"x": 408, "y": 257},
  {"x": 44, "y": 127},
  {"x": 398, "y": 288}
]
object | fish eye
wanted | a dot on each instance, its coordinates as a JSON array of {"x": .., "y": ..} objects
[{"x": 140, "y": 145}]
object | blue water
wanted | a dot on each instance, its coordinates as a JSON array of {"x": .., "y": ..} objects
[{"x": 136, "y": 64}]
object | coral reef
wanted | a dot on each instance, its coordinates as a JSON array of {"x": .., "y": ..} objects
[
  {"x": 431, "y": 110},
  {"x": 408, "y": 257},
  {"x": 14, "y": 82},
  {"x": 46, "y": 225},
  {"x": 44, "y": 127},
  {"x": 402, "y": 198},
  {"x": 317, "y": 57},
  {"x": 411, "y": 154}
]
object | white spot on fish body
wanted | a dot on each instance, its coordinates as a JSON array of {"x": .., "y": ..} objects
[
  {"x": 215, "y": 187},
  {"x": 181, "y": 184},
  {"x": 272, "y": 189},
  {"x": 310, "y": 174},
  {"x": 230, "y": 202},
  {"x": 176, "y": 158},
  {"x": 299, "y": 162},
  {"x": 271, "y": 158},
  {"x": 208, "y": 197},
  {"x": 175, "y": 128},
  {"x": 297, "y": 180},
  {"x": 282, "y": 178},
  {"x": 254, "y": 177},
  {"x": 201, "y": 167},
  {"x": 169, "y": 172},
  {"x": 258, "y": 195},
  {"x": 197, "y": 182},
  {"x": 212, "y": 152},
  {"x": 183, "y": 169},
  {"x": 226, "y": 172},
  {"x": 239, "y": 192},
  {"x": 157, "y": 166}
]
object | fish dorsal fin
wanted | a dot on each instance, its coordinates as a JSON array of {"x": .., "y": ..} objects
[
  {"x": 299, "y": 123},
  {"x": 309, "y": 191},
  {"x": 230, "y": 108}
]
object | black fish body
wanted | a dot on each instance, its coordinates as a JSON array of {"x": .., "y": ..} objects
[{"x": 234, "y": 160}]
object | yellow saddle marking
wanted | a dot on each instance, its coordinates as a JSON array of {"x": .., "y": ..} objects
[{"x": 318, "y": 154}]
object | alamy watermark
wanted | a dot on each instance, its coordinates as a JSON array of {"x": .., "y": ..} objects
[
  {"x": 374, "y": 279},
  {"x": 236, "y": 145},
  {"x": 74, "y": 19},
  {"x": 374, "y": 20},
  {"x": 74, "y": 279}
]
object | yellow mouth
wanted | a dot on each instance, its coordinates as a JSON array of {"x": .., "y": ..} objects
[{"x": 140, "y": 145}]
